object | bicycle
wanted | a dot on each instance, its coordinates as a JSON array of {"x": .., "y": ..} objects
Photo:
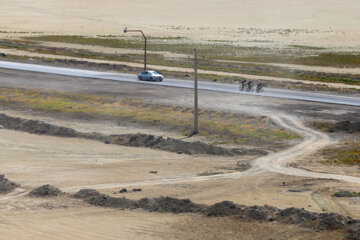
[
  {"x": 249, "y": 88},
  {"x": 243, "y": 85},
  {"x": 259, "y": 88}
]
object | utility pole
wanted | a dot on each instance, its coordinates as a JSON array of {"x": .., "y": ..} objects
[
  {"x": 126, "y": 30},
  {"x": 196, "y": 123}
]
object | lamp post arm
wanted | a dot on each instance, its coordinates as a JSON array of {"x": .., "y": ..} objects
[
  {"x": 145, "y": 44},
  {"x": 136, "y": 31}
]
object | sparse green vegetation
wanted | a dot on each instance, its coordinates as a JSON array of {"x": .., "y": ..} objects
[
  {"x": 175, "y": 74},
  {"x": 322, "y": 125},
  {"x": 273, "y": 71},
  {"x": 316, "y": 59},
  {"x": 79, "y": 53},
  {"x": 209, "y": 56},
  {"x": 129, "y": 43},
  {"x": 332, "y": 59},
  {"x": 343, "y": 193},
  {"x": 233, "y": 127},
  {"x": 347, "y": 152},
  {"x": 204, "y": 64},
  {"x": 297, "y": 54}
]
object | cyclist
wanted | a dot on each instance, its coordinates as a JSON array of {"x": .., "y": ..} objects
[
  {"x": 249, "y": 86},
  {"x": 243, "y": 84},
  {"x": 259, "y": 87}
]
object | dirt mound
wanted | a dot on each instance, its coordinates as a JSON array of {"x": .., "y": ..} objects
[
  {"x": 6, "y": 185},
  {"x": 209, "y": 173},
  {"x": 111, "y": 202},
  {"x": 324, "y": 221},
  {"x": 37, "y": 127},
  {"x": 256, "y": 213},
  {"x": 225, "y": 208},
  {"x": 41, "y": 128},
  {"x": 46, "y": 191},
  {"x": 242, "y": 166},
  {"x": 354, "y": 230},
  {"x": 132, "y": 140},
  {"x": 332, "y": 221},
  {"x": 175, "y": 145},
  {"x": 86, "y": 193},
  {"x": 296, "y": 215},
  {"x": 168, "y": 204},
  {"x": 161, "y": 204},
  {"x": 345, "y": 126}
]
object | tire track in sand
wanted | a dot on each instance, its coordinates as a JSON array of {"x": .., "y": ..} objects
[{"x": 313, "y": 141}]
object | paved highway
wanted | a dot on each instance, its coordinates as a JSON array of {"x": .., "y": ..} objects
[{"x": 219, "y": 87}]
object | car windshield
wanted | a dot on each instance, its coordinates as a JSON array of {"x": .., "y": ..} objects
[{"x": 154, "y": 72}]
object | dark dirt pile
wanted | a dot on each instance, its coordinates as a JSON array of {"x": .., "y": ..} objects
[
  {"x": 225, "y": 208},
  {"x": 103, "y": 200},
  {"x": 37, "y": 127},
  {"x": 242, "y": 166},
  {"x": 322, "y": 221},
  {"x": 354, "y": 230},
  {"x": 6, "y": 185},
  {"x": 175, "y": 145},
  {"x": 86, "y": 193},
  {"x": 161, "y": 204},
  {"x": 41, "y": 128},
  {"x": 345, "y": 126},
  {"x": 168, "y": 204},
  {"x": 46, "y": 191},
  {"x": 132, "y": 140}
]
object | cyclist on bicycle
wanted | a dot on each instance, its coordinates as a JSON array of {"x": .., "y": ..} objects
[
  {"x": 249, "y": 86},
  {"x": 243, "y": 84}
]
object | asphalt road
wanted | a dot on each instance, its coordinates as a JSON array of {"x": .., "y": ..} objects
[{"x": 218, "y": 87}]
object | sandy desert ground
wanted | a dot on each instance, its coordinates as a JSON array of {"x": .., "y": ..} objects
[{"x": 321, "y": 23}]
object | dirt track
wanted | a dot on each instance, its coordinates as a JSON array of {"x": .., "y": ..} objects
[{"x": 314, "y": 141}]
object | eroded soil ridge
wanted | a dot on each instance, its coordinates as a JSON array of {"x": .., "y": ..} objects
[
  {"x": 300, "y": 216},
  {"x": 132, "y": 140}
]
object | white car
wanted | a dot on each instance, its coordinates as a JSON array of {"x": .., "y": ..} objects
[{"x": 150, "y": 76}]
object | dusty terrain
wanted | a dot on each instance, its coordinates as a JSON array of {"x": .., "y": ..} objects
[
  {"x": 72, "y": 164},
  {"x": 321, "y": 23},
  {"x": 293, "y": 173}
]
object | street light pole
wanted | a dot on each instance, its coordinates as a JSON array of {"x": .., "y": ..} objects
[
  {"x": 196, "y": 122},
  {"x": 126, "y": 30}
]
